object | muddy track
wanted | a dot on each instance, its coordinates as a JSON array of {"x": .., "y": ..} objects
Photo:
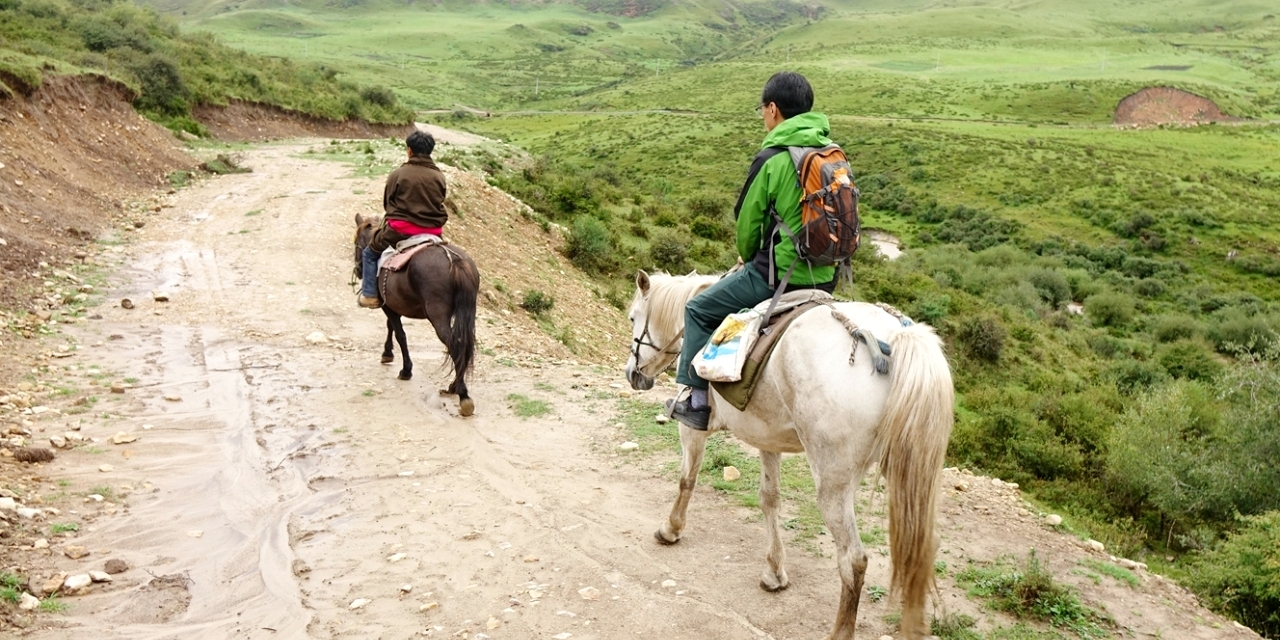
[{"x": 278, "y": 480}]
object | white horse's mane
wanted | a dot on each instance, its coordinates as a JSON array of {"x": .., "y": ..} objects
[{"x": 668, "y": 295}]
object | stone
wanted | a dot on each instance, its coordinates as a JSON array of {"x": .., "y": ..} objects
[
  {"x": 28, "y": 602},
  {"x": 106, "y": 468},
  {"x": 58, "y": 441},
  {"x": 406, "y": 588},
  {"x": 117, "y": 387},
  {"x": 159, "y": 296},
  {"x": 731, "y": 473},
  {"x": 629, "y": 446},
  {"x": 589, "y": 593},
  {"x": 493, "y": 623},
  {"x": 100, "y": 576},
  {"x": 8, "y": 504},
  {"x": 75, "y": 552},
  {"x": 77, "y": 581},
  {"x": 661, "y": 419},
  {"x": 126, "y": 303},
  {"x": 397, "y": 557},
  {"x": 668, "y": 584},
  {"x": 1127, "y": 564},
  {"x": 1095, "y": 545},
  {"x": 122, "y": 437},
  {"x": 886, "y": 637},
  {"x": 172, "y": 397},
  {"x": 961, "y": 485},
  {"x": 535, "y": 594},
  {"x": 40, "y": 543},
  {"x": 115, "y": 566},
  {"x": 317, "y": 337},
  {"x": 428, "y": 607},
  {"x": 53, "y": 584},
  {"x": 196, "y": 533},
  {"x": 1053, "y": 520},
  {"x": 27, "y": 512},
  {"x": 531, "y": 558},
  {"x": 359, "y": 603},
  {"x": 562, "y": 636}
]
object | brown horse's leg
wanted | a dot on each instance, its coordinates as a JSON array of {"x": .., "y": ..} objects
[
  {"x": 835, "y": 500},
  {"x": 466, "y": 406},
  {"x": 397, "y": 327},
  {"x": 388, "y": 356},
  {"x": 774, "y": 577},
  {"x": 693, "y": 443}
]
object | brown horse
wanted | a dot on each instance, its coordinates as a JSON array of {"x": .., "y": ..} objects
[{"x": 439, "y": 284}]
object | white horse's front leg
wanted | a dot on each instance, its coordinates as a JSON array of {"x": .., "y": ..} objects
[
  {"x": 693, "y": 443},
  {"x": 774, "y": 577}
]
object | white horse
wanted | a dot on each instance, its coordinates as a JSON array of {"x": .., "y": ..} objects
[{"x": 845, "y": 416}]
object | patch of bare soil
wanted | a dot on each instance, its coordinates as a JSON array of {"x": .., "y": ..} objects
[
  {"x": 1167, "y": 105},
  {"x": 305, "y": 492},
  {"x": 250, "y": 121}
]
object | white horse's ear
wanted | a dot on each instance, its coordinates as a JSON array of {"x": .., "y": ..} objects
[
  {"x": 642, "y": 281},
  {"x": 692, "y": 273}
]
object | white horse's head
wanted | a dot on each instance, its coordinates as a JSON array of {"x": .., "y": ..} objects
[{"x": 657, "y": 323}]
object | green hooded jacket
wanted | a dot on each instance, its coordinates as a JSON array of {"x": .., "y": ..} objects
[{"x": 777, "y": 183}]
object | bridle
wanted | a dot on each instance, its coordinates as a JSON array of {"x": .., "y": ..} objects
[{"x": 646, "y": 340}]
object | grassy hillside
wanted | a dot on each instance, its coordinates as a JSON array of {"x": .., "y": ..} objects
[{"x": 169, "y": 71}]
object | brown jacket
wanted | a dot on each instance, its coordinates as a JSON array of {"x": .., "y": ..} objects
[{"x": 415, "y": 193}]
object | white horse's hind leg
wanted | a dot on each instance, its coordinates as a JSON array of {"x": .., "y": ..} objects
[
  {"x": 693, "y": 443},
  {"x": 835, "y": 500},
  {"x": 774, "y": 577}
]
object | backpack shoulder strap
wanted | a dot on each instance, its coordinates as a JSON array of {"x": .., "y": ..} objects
[{"x": 756, "y": 164}]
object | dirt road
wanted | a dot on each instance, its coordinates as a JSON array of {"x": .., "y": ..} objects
[{"x": 282, "y": 487}]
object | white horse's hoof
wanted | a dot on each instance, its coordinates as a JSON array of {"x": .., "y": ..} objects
[
  {"x": 771, "y": 582},
  {"x": 663, "y": 540}
]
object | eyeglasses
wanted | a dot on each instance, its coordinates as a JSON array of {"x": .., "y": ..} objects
[{"x": 761, "y": 107}]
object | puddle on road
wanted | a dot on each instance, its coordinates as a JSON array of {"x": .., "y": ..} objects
[{"x": 229, "y": 464}]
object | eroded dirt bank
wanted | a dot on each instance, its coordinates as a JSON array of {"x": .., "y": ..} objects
[{"x": 281, "y": 487}]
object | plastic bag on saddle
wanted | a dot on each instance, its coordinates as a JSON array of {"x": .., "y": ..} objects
[{"x": 723, "y": 357}]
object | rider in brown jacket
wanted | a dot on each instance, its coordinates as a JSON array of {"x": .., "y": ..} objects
[{"x": 413, "y": 202}]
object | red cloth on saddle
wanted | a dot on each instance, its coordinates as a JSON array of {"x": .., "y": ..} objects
[{"x": 411, "y": 229}]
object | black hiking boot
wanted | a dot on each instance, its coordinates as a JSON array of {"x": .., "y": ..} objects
[{"x": 687, "y": 415}]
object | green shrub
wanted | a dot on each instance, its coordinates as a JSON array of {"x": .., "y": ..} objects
[
  {"x": 1109, "y": 309},
  {"x": 931, "y": 307},
  {"x": 1235, "y": 330},
  {"x": 1029, "y": 591},
  {"x": 1149, "y": 288},
  {"x": 984, "y": 337},
  {"x": 710, "y": 228},
  {"x": 1241, "y": 577},
  {"x": 1189, "y": 359},
  {"x": 1135, "y": 376},
  {"x": 1176, "y": 327},
  {"x": 669, "y": 251},
  {"x": 537, "y": 302},
  {"x": 590, "y": 246},
  {"x": 164, "y": 92},
  {"x": 1051, "y": 285}
]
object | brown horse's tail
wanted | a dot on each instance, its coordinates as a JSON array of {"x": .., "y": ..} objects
[
  {"x": 462, "y": 334},
  {"x": 912, "y": 437}
]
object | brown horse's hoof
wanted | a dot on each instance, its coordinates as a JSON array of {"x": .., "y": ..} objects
[
  {"x": 466, "y": 407},
  {"x": 405, "y": 376},
  {"x": 388, "y": 359},
  {"x": 657, "y": 535}
]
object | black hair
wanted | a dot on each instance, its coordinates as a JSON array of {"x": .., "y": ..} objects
[
  {"x": 421, "y": 143},
  {"x": 790, "y": 91}
]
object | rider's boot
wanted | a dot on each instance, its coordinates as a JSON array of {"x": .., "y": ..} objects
[
  {"x": 693, "y": 412},
  {"x": 369, "y": 280}
]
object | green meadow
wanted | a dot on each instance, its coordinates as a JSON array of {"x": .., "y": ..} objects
[{"x": 1110, "y": 297}]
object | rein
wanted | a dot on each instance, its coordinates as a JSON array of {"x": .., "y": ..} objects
[{"x": 646, "y": 340}]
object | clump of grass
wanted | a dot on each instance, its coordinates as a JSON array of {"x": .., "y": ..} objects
[
  {"x": 537, "y": 302},
  {"x": 1029, "y": 591},
  {"x": 10, "y": 587},
  {"x": 63, "y": 527},
  {"x": 1115, "y": 571},
  {"x": 53, "y": 604},
  {"x": 954, "y": 626},
  {"x": 528, "y": 407},
  {"x": 876, "y": 593},
  {"x": 105, "y": 491}
]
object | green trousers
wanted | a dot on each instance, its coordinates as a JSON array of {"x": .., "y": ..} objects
[{"x": 742, "y": 289}]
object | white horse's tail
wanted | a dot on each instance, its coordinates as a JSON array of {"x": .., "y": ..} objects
[{"x": 912, "y": 438}]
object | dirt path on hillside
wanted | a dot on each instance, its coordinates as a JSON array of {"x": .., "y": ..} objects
[{"x": 282, "y": 487}]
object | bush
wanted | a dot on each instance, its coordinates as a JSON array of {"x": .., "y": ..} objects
[
  {"x": 537, "y": 302},
  {"x": 1235, "y": 330},
  {"x": 163, "y": 90},
  {"x": 1241, "y": 578},
  {"x": 590, "y": 246},
  {"x": 710, "y": 228},
  {"x": 669, "y": 251},
  {"x": 1190, "y": 360},
  {"x": 381, "y": 96},
  {"x": 1109, "y": 309},
  {"x": 984, "y": 337},
  {"x": 1051, "y": 285},
  {"x": 1149, "y": 288},
  {"x": 1174, "y": 328},
  {"x": 1134, "y": 376}
]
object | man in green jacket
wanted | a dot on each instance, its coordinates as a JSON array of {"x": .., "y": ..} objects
[{"x": 773, "y": 186}]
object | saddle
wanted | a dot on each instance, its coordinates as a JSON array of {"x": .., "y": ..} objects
[
  {"x": 395, "y": 258},
  {"x": 792, "y": 305}
]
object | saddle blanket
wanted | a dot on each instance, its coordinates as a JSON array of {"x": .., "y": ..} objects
[
  {"x": 394, "y": 258},
  {"x": 790, "y": 306}
]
